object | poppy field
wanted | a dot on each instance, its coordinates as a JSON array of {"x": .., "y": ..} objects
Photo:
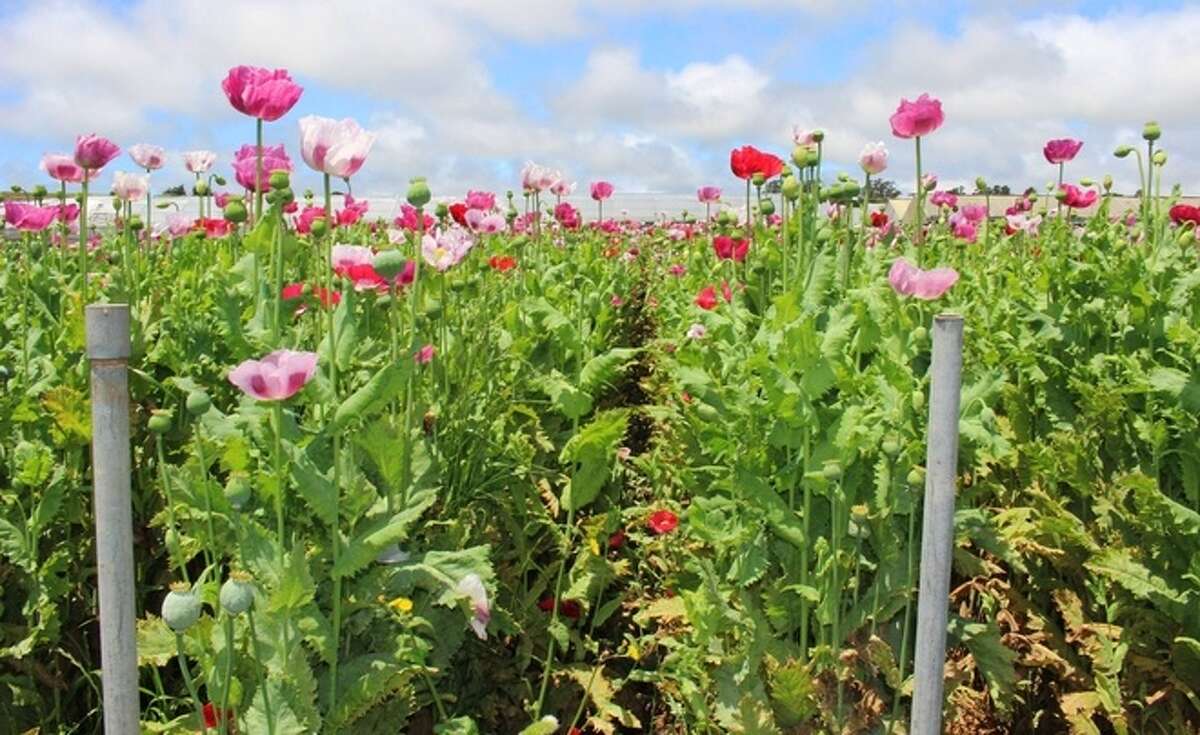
[{"x": 508, "y": 465}]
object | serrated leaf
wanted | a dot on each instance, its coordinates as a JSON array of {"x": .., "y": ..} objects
[{"x": 376, "y": 534}]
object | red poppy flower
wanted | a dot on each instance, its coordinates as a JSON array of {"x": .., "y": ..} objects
[
  {"x": 748, "y": 160},
  {"x": 458, "y": 211},
  {"x": 574, "y": 731},
  {"x": 726, "y": 292},
  {"x": 1181, "y": 213},
  {"x": 728, "y": 248},
  {"x": 570, "y": 609},
  {"x": 879, "y": 219},
  {"x": 707, "y": 298},
  {"x": 663, "y": 521},
  {"x": 502, "y": 263},
  {"x": 617, "y": 540},
  {"x": 546, "y": 604},
  {"x": 292, "y": 291},
  {"x": 212, "y": 716}
]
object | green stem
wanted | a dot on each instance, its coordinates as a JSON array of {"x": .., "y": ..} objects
[
  {"x": 83, "y": 242},
  {"x": 258, "y": 170},
  {"x": 191, "y": 685},
  {"x": 262, "y": 676},
  {"x": 437, "y": 699},
  {"x": 173, "y": 531},
  {"x": 919, "y": 214},
  {"x": 549, "y": 664},
  {"x": 222, "y": 716}
]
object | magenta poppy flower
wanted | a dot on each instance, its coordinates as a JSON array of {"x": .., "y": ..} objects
[
  {"x": 907, "y": 279},
  {"x": 94, "y": 153},
  {"x": 707, "y": 298},
  {"x": 708, "y": 194},
  {"x": 1062, "y": 150},
  {"x": 918, "y": 118},
  {"x": 261, "y": 93},
  {"x": 352, "y": 211},
  {"x": 276, "y": 377},
  {"x": 1077, "y": 198},
  {"x": 482, "y": 200},
  {"x": 62, "y": 167},
  {"x": 245, "y": 165},
  {"x": 601, "y": 190},
  {"x": 149, "y": 157},
  {"x": 28, "y": 217},
  {"x": 943, "y": 199},
  {"x": 567, "y": 216},
  {"x": 425, "y": 355}
]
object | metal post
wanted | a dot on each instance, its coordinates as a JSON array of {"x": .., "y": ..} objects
[
  {"x": 108, "y": 349},
  {"x": 937, "y": 528}
]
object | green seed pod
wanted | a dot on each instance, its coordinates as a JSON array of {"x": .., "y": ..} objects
[
  {"x": 1151, "y": 131},
  {"x": 859, "y": 513},
  {"x": 201, "y": 188},
  {"x": 441, "y": 210},
  {"x": 198, "y": 403},
  {"x": 237, "y": 594},
  {"x": 919, "y": 334},
  {"x": 918, "y": 400},
  {"x": 767, "y": 207},
  {"x": 832, "y": 470},
  {"x": 1160, "y": 158},
  {"x": 117, "y": 205},
  {"x": 800, "y": 155},
  {"x": 891, "y": 447},
  {"x": 1087, "y": 181},
  {"x": 285, "y": 196},
  {"x": 981, "y": 184},
  {"x": 160, "y": 421},
  {"x": 418, "y": 192},
  {"x": 319, "y": 227},
  {"x": 390, "y": 263},
  {"x": 181, "y": 607},
  {"x": 791, "y": 189},
  {"x": 236, "y": 212},
  {"x": 237, "y": 490},
  {"x": 916, "y": 477},
  {"x": 136, "y": 224},
  {"x": 279, "y": 180}
]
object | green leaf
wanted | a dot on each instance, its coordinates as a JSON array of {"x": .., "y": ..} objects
[
  {"x": 296, "y": 587},
  {"x": 363, "y": 683},
  {"x": 570, "y": 400},
  {"x": 1119, "y": 566},
  {"x": 593, "y": 449},
  {"x": 548, "y": 725},
  {"x": 317, "y": 490},
  {"x": 457, "y": 726},
  {"x": 1185, "y": 661},
  {"x": 793, "y": 694},
  {"x": 383, "y": 387},
  {"x": 14, "y": 544},
  {"x": 994, "y": 659},
  {"x": 378, "y": 533},
  {"x": 603, "y": 369}
]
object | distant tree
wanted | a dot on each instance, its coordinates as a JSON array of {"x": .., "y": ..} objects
[
  {"x": 959, "y": 191},
  {"x": 883, "y": 189},
  {"x": 773, "y": 186},
  {"x": 175, "y": 191},
  {"x": 994, "y": 190}
]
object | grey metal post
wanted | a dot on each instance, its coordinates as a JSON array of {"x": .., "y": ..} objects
[
  {"x": 937, "y": 528},
  {"x": 108, "y": 347}
]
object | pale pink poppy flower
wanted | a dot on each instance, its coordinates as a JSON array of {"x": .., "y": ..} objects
[
  {"x": 907, "y": 279},
  {"x": 929, "y": 182},
  {"x": 62, "y": 167},
  {"x": 130, "y": 187},
  {"x": 1024, "y": 223},
  {"x": 708, "y": 194},
  {"x": 276, "y": 377},
  {"x": 803, "y": 136},
  {"x": 874, "y": 158},
  {"x": 697, "y": 331},
  {"x": 446, "y": 248},
  {"x": 487, "y": 222},
  {"x": 199, "y": 162},
  {"x": 344, "y": 257},
  {"x": 334, "y": 147},
  {"x": 149, "y": 157},
  {"x": 471, "y": 587},
  {"x": 29, "y": 217},
  {"x": 535, "y": 177},
  {"x": 562, "y": 188}
]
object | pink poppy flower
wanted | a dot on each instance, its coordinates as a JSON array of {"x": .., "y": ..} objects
[
  {"x": 918, "y": 118},
  {"x": 874, "y": 158},
  {"x": 471, "y": 587},
  {"x": 728, "y": 248},
  {"x": 276, "y": 377},
  {"x": 199, "y": 162},
  {"x": 567, "y": 216},
  {"x": 907, "y": 279},
  {"x": 708, "y": 194},
  {"x": 601, "y": 190},
  {"x": 94, "y": 153},
  {"x": 334, "y": 147},
  {"x": 482, "y": 200},
  {"x": 943, "y": 199},
  {"x": 1077, "y": 198},
  {"x": 130, "y": 187},
  {"x": 352, "y": 211},
  {"x": 261, "y": 93},
  {"x": 662, "y": 522},
  {"x": 245, "y": 165},
  {"x": 425, "y": 355},
  {"x": 28, "y": 217}
]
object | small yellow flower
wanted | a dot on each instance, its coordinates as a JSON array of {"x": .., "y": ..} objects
[
  {"x": 401, "y": 605},
  {"x": 633, "y": 651},
  {"x": 594, "y": 545}
]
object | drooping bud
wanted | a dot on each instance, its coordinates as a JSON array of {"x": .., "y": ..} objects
[
  {"x": 1151, "y": 131},
  {"x": 181, "y": 607},
  {"x": 418, "y": 192},
  {"x": 1123, "y": 151}
]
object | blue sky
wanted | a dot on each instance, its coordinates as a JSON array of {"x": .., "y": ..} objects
[{"x": 650, "y": 95}]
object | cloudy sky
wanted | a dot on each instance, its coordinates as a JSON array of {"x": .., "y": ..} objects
[{"x": 650, "y": 94}]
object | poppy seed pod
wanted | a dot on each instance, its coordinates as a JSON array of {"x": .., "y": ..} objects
[
  {"x": 319, "y": 227},
  {"x": 389, "y": 264},
  {"x": 160, "y": 421},
  {"x": 181, "y": 607},
  {"x": 800, "y": 155},
  {"x": 136, "y": 224},
  {"x": 981, "y": 184},
  {"x": 418, "y": 192},
  {"x": 201, "y": 188},
  {"x": 767, "y": 207},
  {"x": 198, "y": 403},
  {"x": 237, "y": 490},
  {"x": 237, "y": 594},
  {"x": 891, "y": 447},
  {"x": 235, "y": 212},
  {"x": 916, "y": 477},
  {"x": 1151, "y": 131},
  {"x": 117, "y": 204},
  {"x": 918, "y": 400},
  {"x": 1160, "y": 158},
  {"x": 441, "y": 210},
  {"x": 758, "y": 179},
  {"x": 791, "y": 188},
  {"x": 279, "y": 180}
]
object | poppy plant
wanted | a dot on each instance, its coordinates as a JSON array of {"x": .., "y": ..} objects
[
  {"x": 662, "y": 522},
  {"x": 707, "y": 298},
  {"x": 276, "y": 377},
  {"x": 729, "y": 248},
  {"x": 915, "y": 120}
]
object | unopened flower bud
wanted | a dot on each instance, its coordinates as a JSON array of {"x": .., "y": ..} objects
[
  {"x": 832, "y": 470},
  {"x": 237, "y": 490},
  {"x": 160, "y": 421},
  {"x": 818, "y": 135},
  {"x": 319, "y": 227},
  {"x": 136, "y": 224},
  {"x": 441, "y": 210},
  {"x": 198, "y": 403},
  {"x": 1087, "y": 181},
  {"x": 1123, "y": 151},
  {"x": 280, "y": 180},
  {"x": 418, "y": 192},
  {"x": 235, "y": 212},
  {"x": 1108, "y": 182},
  {"x": 767, "y": 207},
  {"x": 39, "y": 192},
  {"x": 791, "y": 189},
  {"x": 1160, "y": 158},
  {"x": 916, "y": 477},
  {"x": 1151, "y": 131},
  {"x": 201, "y": 188},
  {"x": 981, "y": 184}
]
